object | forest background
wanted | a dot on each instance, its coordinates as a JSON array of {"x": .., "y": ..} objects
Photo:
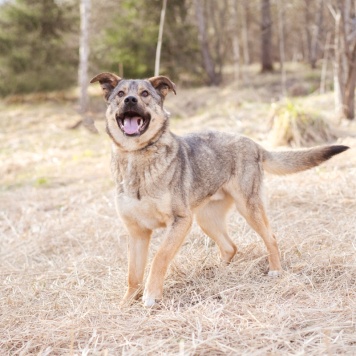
[{"x": 204, "y": 42}]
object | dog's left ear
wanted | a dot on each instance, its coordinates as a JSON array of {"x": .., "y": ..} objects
[
  {"x": 163, "y": 85},
  {"x": 108, "y": 82}
]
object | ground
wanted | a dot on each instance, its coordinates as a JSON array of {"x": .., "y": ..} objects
[{"x": 63, "y": 249}]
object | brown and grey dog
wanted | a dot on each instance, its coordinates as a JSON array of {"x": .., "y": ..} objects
[{"x": 164, "y": 180}]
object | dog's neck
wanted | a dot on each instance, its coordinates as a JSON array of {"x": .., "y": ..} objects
[{"x": 137, "y": 172}]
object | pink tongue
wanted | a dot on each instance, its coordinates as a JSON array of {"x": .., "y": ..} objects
[{"x": 131, "y": 124}]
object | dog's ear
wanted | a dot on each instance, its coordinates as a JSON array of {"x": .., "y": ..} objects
[
  {"x": 108, "y": 82},
  {"x": 163, "y": 85}
]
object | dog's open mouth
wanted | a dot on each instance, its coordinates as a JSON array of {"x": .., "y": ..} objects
[{"x": 132, "y": 123}]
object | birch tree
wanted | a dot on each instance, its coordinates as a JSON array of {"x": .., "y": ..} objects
[
  {"x": 83, "y": 55},
  {"x": 160, "y": 35},
  {"x": 83, "y": 65}
]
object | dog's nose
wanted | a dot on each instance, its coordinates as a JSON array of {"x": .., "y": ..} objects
[{"x": 131, "y": 100}]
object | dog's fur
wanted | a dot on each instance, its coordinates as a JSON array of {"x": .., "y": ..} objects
[{"x": 163, "y": 180}]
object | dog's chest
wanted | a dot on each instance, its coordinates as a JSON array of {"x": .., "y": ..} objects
[
  {"x": 143, "y": 195},
  {"x": 147, "y": 212}
]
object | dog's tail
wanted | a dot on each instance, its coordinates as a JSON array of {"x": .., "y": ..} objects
[{"x": 286, "y": 162}]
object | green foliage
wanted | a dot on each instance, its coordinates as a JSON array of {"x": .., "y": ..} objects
[
  {"x": 181, "y": 57},
  {"x": 128, "y": 39},
  {"x": 41, "y": 181},
  {"x": 39, "y": 40},
  {"x": 130, "y": 36},
  {"x": 37, "y": 49}
]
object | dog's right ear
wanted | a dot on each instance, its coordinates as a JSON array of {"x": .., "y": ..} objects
[{"x": 108, "y": 82}]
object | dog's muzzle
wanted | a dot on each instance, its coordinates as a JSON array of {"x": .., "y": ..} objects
[{"x": 133, "y": 123}]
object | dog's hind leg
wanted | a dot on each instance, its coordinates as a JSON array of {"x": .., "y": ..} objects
[
  {"x": 257, "y": 219},
  {"x": 246, "y": 190},
  {"x": 253, "y": 211},
  {"x": 212, "y": 220},
  {"x": 138, "y": 244}
]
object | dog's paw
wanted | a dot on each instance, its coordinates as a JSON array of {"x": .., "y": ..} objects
[
  {"x": 274, "y": 274},
  {"x": 148, "y": 300}
]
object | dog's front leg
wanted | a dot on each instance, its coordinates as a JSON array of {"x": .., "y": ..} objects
[
  {"x": 174, "y": 238},
  {"x": 138, "y": 243}
]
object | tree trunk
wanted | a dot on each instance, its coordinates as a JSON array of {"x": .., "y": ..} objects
[
  {"x": 350, "y": 62},
  {"x": 266, "y": 37},
  {"x": 219, "y": 18},
  {"x": 245, "y": 34},
  {"x": 235, "y": 40},
  {"x": 83, "y": 67},
  {"x": 281, "y": 15},
  {"x": 307, "y": 29},
  {"x": 315, "y": 34},
  {"x": 325, "y": 63},
  {"x": 349, "y": 96},
  {"x": 338, "y": 75},
  {"x": 160, "y": 35},
  {"x": 84, "y": 55},
  {"x": 208, "y": 63},
  {"x": 344, "y": 61}
]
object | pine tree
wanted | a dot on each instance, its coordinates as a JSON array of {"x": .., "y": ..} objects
[{"x": 37, "y": 51}]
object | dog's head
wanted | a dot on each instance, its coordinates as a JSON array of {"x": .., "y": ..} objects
[{"x": 135, "y": 114}]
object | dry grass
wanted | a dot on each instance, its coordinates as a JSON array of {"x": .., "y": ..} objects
[{"x": 63, "y": 255}]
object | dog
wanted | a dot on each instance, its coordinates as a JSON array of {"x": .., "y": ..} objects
[{"x": 164, "y": 180}]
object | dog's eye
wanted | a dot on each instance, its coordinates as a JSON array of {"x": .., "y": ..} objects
[
  {"x": 120, "y": 93},
  {"x": 145, "y": 93}
]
